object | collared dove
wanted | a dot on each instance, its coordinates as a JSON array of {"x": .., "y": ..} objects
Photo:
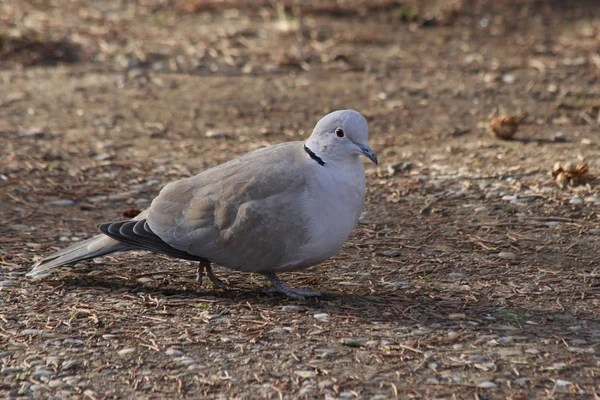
[{"x": 281, "y": 208}]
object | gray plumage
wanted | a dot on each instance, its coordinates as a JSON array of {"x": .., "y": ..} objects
[{"x": 275, "y": 209}]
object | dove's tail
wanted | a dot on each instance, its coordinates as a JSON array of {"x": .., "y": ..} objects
[{"x": 96, "y": 246}]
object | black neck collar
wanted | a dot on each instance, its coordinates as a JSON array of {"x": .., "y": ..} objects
[{"x": 314, "y": 156}]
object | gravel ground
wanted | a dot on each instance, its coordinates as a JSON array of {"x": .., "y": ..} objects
[{"x": 473, "y": 270}]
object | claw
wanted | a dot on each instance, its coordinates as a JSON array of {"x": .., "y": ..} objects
[
  {"x": 204, "y": 267},
  {"x": 280, "y": 286}
]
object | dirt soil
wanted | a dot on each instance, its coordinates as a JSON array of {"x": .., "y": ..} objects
[{"x": 471, "y": 274}]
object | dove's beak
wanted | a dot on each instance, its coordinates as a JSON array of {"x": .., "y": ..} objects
[{"x": 366, "y": 151}]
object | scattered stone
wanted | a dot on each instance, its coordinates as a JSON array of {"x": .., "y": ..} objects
[
  {"x": 594, "y": 231},
  {"x": 225, "y": 340},
  {"x": 32, "y": 332},
  {"x": 391, "y": 253},
  {"x": 326, "y": 384},
  {"x": 521, "y": 381},
  {"x": 174, "y": 352},
  {"x": 353, "y": 342},
  {"x": 60, "y": 203},
  {"x": 76, "y": 342},
  {"x": 108, "y": 372},
  {"x": 562, "y": 383},
  {"x": 307, "y": 392},
  {"x": 325, "y": 353},
  {"x": 577, "y": 350},
  {"x": 510, "y": 352},
  {"x": 126, "y": 351},
  {"x": 7, "y": 283},
  {"x": 36, "y": 388},
  {"x": 187, "y": 361},
  {"x": 43, "y": 373},
  {"x": 592, "y": 199},
  {"x": 279, "y": 330},
  {"x": 478, "y": 358},
  {"x": 458, "y": 276},
  {"x": 305, "y": 374},
  {"x": 509, "y": 198},
  {"x": 69, "y": 364},
  {"x": 506, "y": 340},
  {"x": 11, "y": 370},
  {"x": 487, "y": 385},
  {"x": 532, "y": 351},
  {"x": 576, "y": 200},
  {"x": 55, "y": 383},
  {"x": 347, "y": 395},
  {"x": 507, "y": 255},
  {"x": 457, "y": 316},
  {"x": 399, "y": 286},
  {"x": 293, "y": 308},
  {"x": 322, "y": 316},
  {"x": 214, "y": 134},
  {"x": 559, "y": 366},
  {"x": 552, "y": 224},
  {"x": 560, "y": 137}
]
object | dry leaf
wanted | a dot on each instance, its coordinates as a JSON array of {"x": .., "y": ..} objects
[
  {"x": 571, "y": 174},
  {"x": 503, "y": 127}
]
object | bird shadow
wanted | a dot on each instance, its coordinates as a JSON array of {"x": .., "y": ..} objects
[{"x": 408, "y": 307}]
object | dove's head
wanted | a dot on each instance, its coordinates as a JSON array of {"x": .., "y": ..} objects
[{"x": 341, "y": 135}]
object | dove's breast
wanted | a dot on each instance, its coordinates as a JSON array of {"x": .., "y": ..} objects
[{"x": 333, "y": 202}]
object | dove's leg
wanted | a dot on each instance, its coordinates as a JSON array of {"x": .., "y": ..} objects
[
  {"x": 213, "y": 278},
  {"x": 280, "y": 286}
]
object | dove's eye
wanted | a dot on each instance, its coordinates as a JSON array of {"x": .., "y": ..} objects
[{"x": 339, "y": 132}]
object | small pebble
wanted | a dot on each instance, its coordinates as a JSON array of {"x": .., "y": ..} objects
[
  {"x": 321, "y": 316},
  {"x": 77, "y": 342},
  {"x": 10, "y": 370},
  {"x": 187, "y": 361},
  {"x": 576, "y": 200},
  {"x": 43, "y": 373},
  {"x": 55, "y": 383},
  {"x": 214, "y": 134},
  {"x": 126, "y": 351},
  {"x": 293, "y": 308},
  {"x": 173, "y": 352},
  {"x": 507, "y": 255},
  {"x": 559, "y": 366},
  {"x": 353, "y": 342},
  {"x": 279, "y": 330},
  {"x": 487, "y": 385},
  {"x": 307, "y": 392},
  {"x": 325, "y": 353},
  {"x": 35, "y": 388},
  {"x": 7, "y": 283},
  {"x": 560, "y": 137},
  {"x": 347, "y": 395},
  {"x": 458, "y": 276},
  {"x": 562, "y": 383},
  {"x": 457, "y": 316},
  {"x": 108, "y": 372},
  {"x": 594, "y": 231},
  {"x": 532, "y": 351},
  {"x": 33, "y": 332},
  {"x": 305, "y": 374},
  {"x": 60, "y": 203},
  {"x": 391, "y": 253},
  {"x": 326, "y": 384}
]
